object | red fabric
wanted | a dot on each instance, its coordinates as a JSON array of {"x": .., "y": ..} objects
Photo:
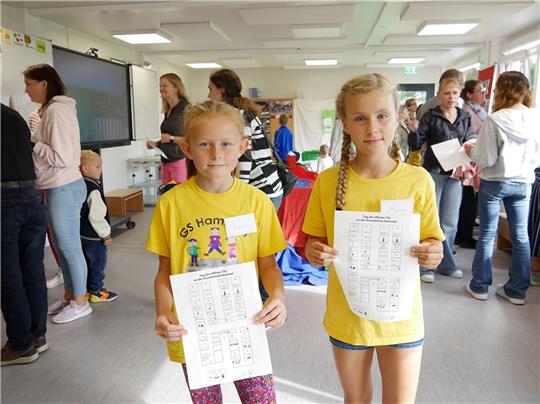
[{"x": 291, "y": 216}]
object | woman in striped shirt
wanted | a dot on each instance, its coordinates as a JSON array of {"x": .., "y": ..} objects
[{"x": 257, "y": 166}]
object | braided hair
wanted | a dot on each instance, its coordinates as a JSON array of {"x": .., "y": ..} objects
[{"x": 359, "y": 85}]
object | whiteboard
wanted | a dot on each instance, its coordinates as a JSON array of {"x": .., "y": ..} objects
[
  {"x": 145, "y": 103},
  {"x": 15, "y": 57}
]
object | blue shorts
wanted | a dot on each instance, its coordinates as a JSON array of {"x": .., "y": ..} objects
[{"x": 345, "y": 345}]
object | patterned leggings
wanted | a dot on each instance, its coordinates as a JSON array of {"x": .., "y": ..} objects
[{"x": 259, "y": 390}]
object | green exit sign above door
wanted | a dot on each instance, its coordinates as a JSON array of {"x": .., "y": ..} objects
[{"x": 410, "y": 70}]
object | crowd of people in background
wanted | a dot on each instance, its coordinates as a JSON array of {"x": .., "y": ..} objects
[{"x": 227, "y": 166}]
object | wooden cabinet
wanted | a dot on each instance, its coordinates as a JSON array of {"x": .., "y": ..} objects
[{"x": 271, "y": 109}]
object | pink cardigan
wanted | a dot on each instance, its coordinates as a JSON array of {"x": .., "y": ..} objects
[{"x": 57, "y": 150}]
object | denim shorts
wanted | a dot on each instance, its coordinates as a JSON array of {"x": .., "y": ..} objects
[{"x": 345, "y": 345}]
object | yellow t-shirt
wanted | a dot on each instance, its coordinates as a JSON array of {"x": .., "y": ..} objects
[
  {"x": 405, "y": 182},
  {"x": 188, "y": 226}
]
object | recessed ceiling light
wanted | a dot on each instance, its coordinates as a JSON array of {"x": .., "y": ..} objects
[
  {"x": 446, "y": 28},
  {"x": 321, "y": 62},
  {"x": 475, "y": 66},
  {"x": 142, "y": 37},
  {"x": 209, "y": 65},
  {"x": 405, "y": 61}
]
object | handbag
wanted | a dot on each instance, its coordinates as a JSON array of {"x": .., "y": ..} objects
[{"x": 288, "y": 179}]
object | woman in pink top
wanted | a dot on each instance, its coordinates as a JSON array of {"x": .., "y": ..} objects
[{"x": 57, "y": 151}]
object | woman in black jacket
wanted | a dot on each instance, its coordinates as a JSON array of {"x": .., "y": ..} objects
[{"x": 440, "y": 124}]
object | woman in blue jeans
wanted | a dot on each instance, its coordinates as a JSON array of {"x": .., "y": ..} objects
[
  {"x": 56, "y": 154},
  {"x": 507, "y": 151}
]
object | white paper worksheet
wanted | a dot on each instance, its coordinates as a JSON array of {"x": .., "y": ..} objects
[
  {"x": 375, "y": 268},
  {"x": 217, "y": 306},
  {"x": 450, "y": 154}
]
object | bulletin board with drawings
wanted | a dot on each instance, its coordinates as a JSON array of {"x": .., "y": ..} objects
[{"x": 18, "y": 51}]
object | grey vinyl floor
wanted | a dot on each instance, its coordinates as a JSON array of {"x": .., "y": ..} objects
[{"x": 475, "y": 352}]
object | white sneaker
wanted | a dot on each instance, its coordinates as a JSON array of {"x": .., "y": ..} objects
[
  {"x": 476, "y": 295},
  {"x": 514, "y": 300},
  {"x": 72, "y": 312},
  {"x": 56, "y": 280},
  {"x": 427, "y": 277},
  {"x": 57, "y": 306}
]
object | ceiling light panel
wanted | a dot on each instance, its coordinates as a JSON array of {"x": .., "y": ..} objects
[
  {"x": 446, "y": 28},
  {"x": 332, "y": 14},
  {"x": 197, "y": 32},
  {"x": 321, "y": 62},
  {"x": 405, "y": 61},
  {"x": 304, "y": 56},
  {"x": 316, "y": 31},
  {"x": 142, "y": 37},
  {"x": 204, "y": 65},
  {"x": 303, "y": 67}
]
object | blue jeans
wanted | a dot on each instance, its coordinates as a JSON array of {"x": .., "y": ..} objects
[
  {"x": 516, "y": 197},
  {"x": 24, "y": 291},
  {"x": 95, "y": 254},
  {"x": 64, "y": 205},
  {"x": 448, "y": 193}
]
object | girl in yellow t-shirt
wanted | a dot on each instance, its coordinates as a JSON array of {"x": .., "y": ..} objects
[
  {"x": 368, "y": 106},
  {"x": 188, "y": 232}
]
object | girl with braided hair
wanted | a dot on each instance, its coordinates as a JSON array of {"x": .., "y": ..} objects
[{"x": 368, "y": 106}]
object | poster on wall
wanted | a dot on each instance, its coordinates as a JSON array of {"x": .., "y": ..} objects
[
  {"x": 19, "y": 51},
  {"x": 487, "y": 77},
  {"x": 328, "y": 118}
]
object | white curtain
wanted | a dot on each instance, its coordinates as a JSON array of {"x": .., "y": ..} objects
[{"x": 308, "y": 124}]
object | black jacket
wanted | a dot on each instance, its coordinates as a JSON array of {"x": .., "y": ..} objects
[{"x": 435, "y": 128}]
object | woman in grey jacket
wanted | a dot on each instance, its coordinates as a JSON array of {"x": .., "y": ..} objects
[
  {"x": 507, "y": 151},
  {"x": 440, "y": 124}
]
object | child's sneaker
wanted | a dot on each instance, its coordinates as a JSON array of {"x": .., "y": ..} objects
[
  {"x": 427, "y": 276},
  {"x": 13, "y": 357},
  {"x": 103, "y": 295},
  {"x": 72, "y": 312},
  {"x": 57, "y": 306},
  {"x": 476, "y": 295},
  {"x": 535, "y": 278}
]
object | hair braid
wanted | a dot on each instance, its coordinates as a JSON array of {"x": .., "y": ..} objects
[{"x": 343, "y": 171}]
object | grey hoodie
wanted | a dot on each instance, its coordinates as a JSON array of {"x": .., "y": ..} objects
[{"x": 508, "y": 146}]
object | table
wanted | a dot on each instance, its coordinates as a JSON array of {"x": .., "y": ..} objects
[{"x": 120, "y": 201}]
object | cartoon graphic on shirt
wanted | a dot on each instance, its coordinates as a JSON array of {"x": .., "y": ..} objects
[
  {"x": 193, "y": 251},
  {"x": 215, "y": 241},
  {"x": 231, "y": 249}
]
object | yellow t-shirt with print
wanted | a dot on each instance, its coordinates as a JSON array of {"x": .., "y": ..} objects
[
  {"x": 405, "y": 182},
  {"x": 188, "y": 227}
]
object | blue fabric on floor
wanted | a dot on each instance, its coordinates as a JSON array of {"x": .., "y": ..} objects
[{"x": 297, "y": 271}]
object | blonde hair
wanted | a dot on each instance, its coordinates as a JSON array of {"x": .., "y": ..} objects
[
  {"x": 195, "y": 114},
  {"x": 511, "y": 88},
  {"x": 177, "y": 83},
  {"x": 89, "y": 155},
  {"x": 324, "y": 149},
  {"x": 449, "y": 80},
  {"x": 363, "y": 84}
]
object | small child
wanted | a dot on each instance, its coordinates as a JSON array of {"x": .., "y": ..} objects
[
  {"x": 193, "y": 213},
  {"x": 95, "y": 229},
  {"x": 283, "y": 138},
  {"x": 324, "y": 161},
  {"x": 368, "y": 106}
]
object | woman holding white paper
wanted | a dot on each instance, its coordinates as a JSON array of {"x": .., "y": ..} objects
[
  {"x": 507, "y": 152},
  {"x": 440, "y": 124}
]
